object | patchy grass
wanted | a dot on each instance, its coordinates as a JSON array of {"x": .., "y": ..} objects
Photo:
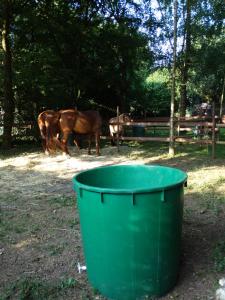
[
  {"x": 39, "y": 222},
  {"x": 35, "y": 289},
  {"x": 55, "y": 249},
  {"x": 219, "y": 256},
  {"x": 9, "y": 222},
  {"x": 62, "y": 201}
]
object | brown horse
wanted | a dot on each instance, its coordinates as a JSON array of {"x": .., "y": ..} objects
[
  {"x": 48, "y": 123},
  {"x": 87, "y": 122}
]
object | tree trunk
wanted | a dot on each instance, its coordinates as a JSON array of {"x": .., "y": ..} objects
[
  {"x": 123, "y": 86},
  {"x": 8, "y": 103},
  {"x": 185, "y": 67},
  {"x": 221, "y": 99},
  {"x": 171, "y": 145}
]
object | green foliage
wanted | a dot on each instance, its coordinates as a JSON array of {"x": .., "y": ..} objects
[
  {"x": 158, "y": 92},
  {"x": 209, "y": 70},
  {"x": 66, "y": 54}
]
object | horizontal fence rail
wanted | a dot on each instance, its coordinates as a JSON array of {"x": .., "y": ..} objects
[{"x": 205, "y": 125}]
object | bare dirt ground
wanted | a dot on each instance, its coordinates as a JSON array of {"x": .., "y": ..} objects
[{"x": 40, "y": 242}]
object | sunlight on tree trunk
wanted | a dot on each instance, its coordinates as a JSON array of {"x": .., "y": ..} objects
[{"x": 171, "y": 146}]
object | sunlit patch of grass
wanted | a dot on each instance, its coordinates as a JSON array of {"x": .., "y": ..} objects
[
  {"x": 161, "y": 149},
  {"x": 212, "y": 198},
  {"x": 147, "y": 150},
  {"x": 195, "y": 150}
]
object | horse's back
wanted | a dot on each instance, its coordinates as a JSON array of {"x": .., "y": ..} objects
[
  {"x": 67, "y": 119},
  {"x": 41, "y": 120},
  {"x": 83, "y": 122},
  {"x": 88, "y": 122},
  {"x": 46, "y": 116},
  {"x": 49, "y": 120},
  {"x": 93, "y": 116}
]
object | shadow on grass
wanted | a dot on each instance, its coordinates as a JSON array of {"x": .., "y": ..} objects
[{"x": 19, "y": 149}]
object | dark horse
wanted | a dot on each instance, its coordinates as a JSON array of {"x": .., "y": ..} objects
[
  {"x": 87, "y": 122},
  {"x": 115, "y": 129},
  {"x": 48, "y": 123}
]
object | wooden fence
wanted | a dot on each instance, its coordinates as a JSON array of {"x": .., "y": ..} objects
[
  {"x": 208, "y": 130},
  {"x": 19, "y": 129}
]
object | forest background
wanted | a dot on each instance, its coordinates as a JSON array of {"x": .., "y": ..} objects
[{"x": 101, "y": 54}]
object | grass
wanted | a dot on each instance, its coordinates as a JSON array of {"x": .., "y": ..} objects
[
  {"x": 147, "y": 148},
  {"x": 219, "y": 256},
  {"x": 196, "y": 150},
  {"x": 62, "y": 201},
  {"x": 19, "y": 148},
  {"x": 8, "y": 224},
  {"x": 73, "y": 223},
  {"x": 53, "y": 222},
  {"x": 55, "y": 249},
  {"x": 36, "y": 289}
]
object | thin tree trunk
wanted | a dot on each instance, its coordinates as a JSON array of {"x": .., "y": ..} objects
[
  {"x": 8, "y": 103},
  {"x": 185, "y": 67},
  {"x": 171, "y": 145},
  {"x": 213, "y": 130},
  {"x": 221, "y": 99}
]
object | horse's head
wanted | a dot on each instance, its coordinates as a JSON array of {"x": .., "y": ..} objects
[{"x": 126, "y": 118}]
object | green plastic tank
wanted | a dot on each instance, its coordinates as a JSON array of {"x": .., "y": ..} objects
[{"x": 131, "y": 224}]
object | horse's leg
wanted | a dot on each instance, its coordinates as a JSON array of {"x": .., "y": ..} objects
[
  {"x": 77, "y": 145},
  {"x": 64, "y": 146},
  {"x": 97, "y": 141},
  {"x": 89, "y": 144},
  {"x": 48, "y": 140},
  {"x": 114, "y": 143},
  {"x": 111, "y": 132},
  {"x": 43, "y": 139},
  {"x": 121, "y": 135},
  {"x": 112, "y": 139},
  {"x": 44, "y": 146},
  {"x": 58, "y": 143},
  {"x": 51, "y": 138}
]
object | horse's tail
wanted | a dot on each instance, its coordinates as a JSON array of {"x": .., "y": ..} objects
[{"x": 41, "y": 125}]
